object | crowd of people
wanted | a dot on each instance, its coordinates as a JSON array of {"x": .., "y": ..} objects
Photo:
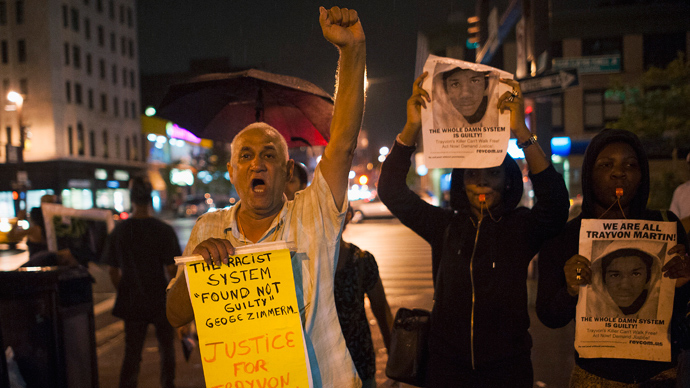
[{"x": 482, "y": 244}]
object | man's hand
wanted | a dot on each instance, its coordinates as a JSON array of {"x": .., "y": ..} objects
[
  {"x": 577, "y": 273},
  {"x": 341, "y": 26},
  {"x": 214, "y": 250}
]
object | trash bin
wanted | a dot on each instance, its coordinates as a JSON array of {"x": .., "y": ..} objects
[
  {"x": 47, "y": 319},
  {"x": 4, "y": 372}
]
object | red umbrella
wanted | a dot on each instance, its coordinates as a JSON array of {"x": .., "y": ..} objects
[{"x": 217, "y": 106}]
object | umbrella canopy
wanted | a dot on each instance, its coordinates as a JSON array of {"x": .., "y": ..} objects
[{"x": 217, "y": 106}]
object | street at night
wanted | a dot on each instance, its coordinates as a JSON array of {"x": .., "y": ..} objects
[
  {"x": 533, "y": 127},
  {"x": 405, "y": 270}
]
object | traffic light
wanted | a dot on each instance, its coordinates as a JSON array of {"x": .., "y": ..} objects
[{"x": 473, "y": 33}]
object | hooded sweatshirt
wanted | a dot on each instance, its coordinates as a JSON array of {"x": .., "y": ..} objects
[
  {"x": 556, "y": 308},
  {"x": 480, "y": 313}
]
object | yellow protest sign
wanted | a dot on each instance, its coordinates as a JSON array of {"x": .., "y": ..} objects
[{"x": 250, "y": 332}]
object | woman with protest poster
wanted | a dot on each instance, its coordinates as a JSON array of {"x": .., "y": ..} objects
[
  {"x": 615, "y": 185},
  {"x": 481, "y": 249}
]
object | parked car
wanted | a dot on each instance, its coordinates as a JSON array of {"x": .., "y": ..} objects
[
  {"x": 369, "y": 209},
  {"x": 194, "y": 206},
  {"x": 117, "y": 215},
  {"x": 219, "y": 204}
]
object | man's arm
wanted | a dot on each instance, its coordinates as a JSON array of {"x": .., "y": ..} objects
[
  {"x": 381, "y": 311},
  {"x": 171, "y": 271},
  {"x": 178, "y": 306},
  {"x": 343, "y": 28}
]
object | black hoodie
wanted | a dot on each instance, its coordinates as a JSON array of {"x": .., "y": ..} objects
[
  {"x": 556, "y": 308},
  {"x": 481, "y": 294}
]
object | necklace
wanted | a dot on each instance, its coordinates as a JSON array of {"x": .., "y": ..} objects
[
  {"x": 239, "y": 226},
  {"x": 246, "y": 241}
]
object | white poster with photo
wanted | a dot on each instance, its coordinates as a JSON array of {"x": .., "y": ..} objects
[
  {"x": 82, "y": 231},
  {"x": 462, "y": 126},
  {"x": 625, "y": 312}
]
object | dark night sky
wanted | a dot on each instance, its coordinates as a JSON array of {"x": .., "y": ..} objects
[{"x": 285, "y": 37}]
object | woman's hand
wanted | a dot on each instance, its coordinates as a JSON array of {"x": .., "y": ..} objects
[
  {"x": 577, "y": 273},
  {"x": 515, "y": 102},
  {"x": 415, "y": 104},
  {"x": 679, "y": 266}
]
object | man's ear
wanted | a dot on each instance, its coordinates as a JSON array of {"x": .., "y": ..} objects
[
  {"x": 290, "y": 169},
  {"x": 229, "y": 167}
]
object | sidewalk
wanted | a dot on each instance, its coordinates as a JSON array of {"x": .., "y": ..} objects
[{"x": 110, "y": 344}]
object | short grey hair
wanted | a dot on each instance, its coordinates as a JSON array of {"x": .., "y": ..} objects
[{"x": 266, "y": 129}]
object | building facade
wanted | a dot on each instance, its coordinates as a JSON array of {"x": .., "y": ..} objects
[
  {"x": 607, "y": 41},
  {"x": 75, "y": 64}
]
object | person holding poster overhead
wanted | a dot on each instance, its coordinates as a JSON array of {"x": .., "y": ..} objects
[
  {"x": 259, "y": 169},
  {"x": 615, "y": 185},
  {"x": 481, "y": 249}
]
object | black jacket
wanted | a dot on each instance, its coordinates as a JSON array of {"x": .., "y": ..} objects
[
  {"x": 556, "y": 308},
  {"x": 480, "y": 314}
]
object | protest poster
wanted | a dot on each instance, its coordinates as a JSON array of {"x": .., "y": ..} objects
[
  {"x": 625, "y": 311},
  {"x": 462, "y": 126},
  {"x": 247, "y": 318},
  {"x": 82, "y": 231}
]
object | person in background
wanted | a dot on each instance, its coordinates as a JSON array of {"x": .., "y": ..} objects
[
  {"x": 614, "y": 159},
  {"x": 357, "y": 274},
  {"x": 35, "y": 234},
  {"x": 297, "y": 182},
  {"x": 259, "y": 168},
  {"x": 680, "y": 204},
  {"x": 140, "y": 252},
  {"x": 481, "y": 249}
]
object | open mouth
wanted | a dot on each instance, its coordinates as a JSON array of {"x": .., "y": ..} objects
[{"x": 258, "y": 185}]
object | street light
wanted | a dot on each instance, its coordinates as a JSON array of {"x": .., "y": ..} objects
[
  {"x": 18, "y": 101},
  {"x": 15, "y": 97},
  {"x": 20, "y": 184}
]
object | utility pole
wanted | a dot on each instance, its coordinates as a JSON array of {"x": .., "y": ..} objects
[{"x": 535, "y": 14}]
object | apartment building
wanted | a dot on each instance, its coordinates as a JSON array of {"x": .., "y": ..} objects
[{"x": 75, "y": 64}]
